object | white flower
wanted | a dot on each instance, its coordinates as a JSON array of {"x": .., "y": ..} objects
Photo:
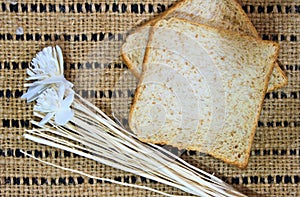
[
  {"x": 52, "y": 103},
  {"x": 46, "y": 71},
  {"x": 47, "y": 63}
]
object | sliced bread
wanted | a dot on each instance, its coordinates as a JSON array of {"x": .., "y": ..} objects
[
  {"x": 226, "y": 14},
  {"x": 202, "y": 89}
]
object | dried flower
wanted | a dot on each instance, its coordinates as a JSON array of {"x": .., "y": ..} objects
[
  {"x": 92, "y": 134},
  {"x": 53, "y": 104},
  {"x": 46, "y": 71}
]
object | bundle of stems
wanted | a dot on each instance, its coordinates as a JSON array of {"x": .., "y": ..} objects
[{"x": 71, "y": 123}]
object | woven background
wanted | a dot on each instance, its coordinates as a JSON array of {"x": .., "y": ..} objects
[{"x": 90, "y": 34}]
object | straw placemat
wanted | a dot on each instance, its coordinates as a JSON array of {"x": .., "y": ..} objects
[{"x": 90, "y": 34}]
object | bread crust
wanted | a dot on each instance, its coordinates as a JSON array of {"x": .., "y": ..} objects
[{"x": 140, "y": 88}]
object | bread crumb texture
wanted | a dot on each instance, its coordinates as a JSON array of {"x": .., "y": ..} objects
[{"x": 202, "y": 89}]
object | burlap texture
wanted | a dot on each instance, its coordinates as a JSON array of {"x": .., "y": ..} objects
[{"x": 90, "y": 34}]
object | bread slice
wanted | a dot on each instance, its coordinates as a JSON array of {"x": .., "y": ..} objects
[
  {"x": 226, "y": 14},
  {"x": 202, "y": 89}
]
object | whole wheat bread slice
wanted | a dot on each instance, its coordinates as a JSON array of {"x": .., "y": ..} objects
[
  {"x": 202, "y": 89},
  {"x": 226, "y": 14}
]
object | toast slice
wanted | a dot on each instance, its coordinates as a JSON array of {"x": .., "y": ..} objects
[
  {"x": 226, "y": 14},
  {"x": 202, "y": 89}
]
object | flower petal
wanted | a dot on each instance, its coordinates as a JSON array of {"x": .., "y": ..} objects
[
  {"x": 52, "y": 80},
  {"x": 67, "y": 102},
  {"x": 61, "y": 91},
  {"x": 33, "y": 92},
  {"x": 60, "y": 59},
  {"x": 46, "y": 119},
  {"x": 54, "y": 55},
  {"x": 30, "y": 72},
  {"x": 63, "y": 116}
]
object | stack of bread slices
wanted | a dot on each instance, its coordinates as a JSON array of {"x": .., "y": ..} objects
[{"x": 203, "y": 74}]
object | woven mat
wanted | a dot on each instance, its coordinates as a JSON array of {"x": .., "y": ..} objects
[{"x": 90, "y": 35}]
